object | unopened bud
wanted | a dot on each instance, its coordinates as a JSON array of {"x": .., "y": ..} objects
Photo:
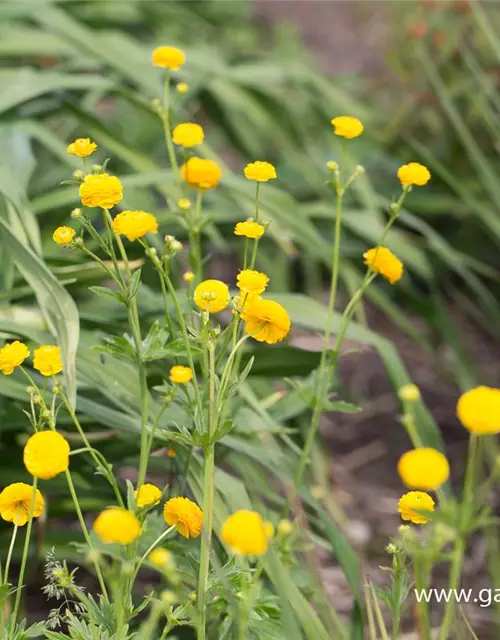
[
  {"x": 93, "y": 556},
  {"x": 156, "y": 104},
  {"x": 30, "y": 390},
  {"x": 188, "y": 276},
  {"x": 331, "y": 165},
  {"x": 285, "y": 528},
  {"x": 96, "y": 168},
  {"x": 78, "y": 242},
  {"x": 359, "y": 170},
  {"x": 168, "y": 597},
  {"x": 175, "y": 246},
  {"x": 78, "y": 174},
  {"x": 76, "y": 213},
  {"x": 192, "y": 596},
  {"x": 37, "y": 399},
  {"x": 184, "y": 204},
  {"x": 409, "y": 392},
  {"x": 406, "y": 532},
  {"x": 182, "y": 88},
  {"x": 391, "y": 548}
]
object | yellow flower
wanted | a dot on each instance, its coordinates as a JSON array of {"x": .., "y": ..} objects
[
  {"x": 171, "y": 453},
  {"x": 15, "y": 503},
  {"x": 63, "y": 235},
  {"x": 252, "y": 282},
  {"x": 414, "y": 173},
  {"x": 160, "y": 557},
  {"x": 182, "y": 88},
  {"x": 266, "y": 320},
  {"x": 134, "y": 224},
  {"x": 82, "y": 147},
  {"x": 245, "y": 533},
  {"x": 185, "y": 515},
  {"x": 184, "y": 204},
  {"x": 117, "y": 525},
  {"x": 188, "y": 134},
  {"x": 47, "y": 360},
  {"x": 260, "y": 171},
  {"x": 479, "y": 410},
  {"x": 12, "y": 355},
  {"x": 410, "y": 503},
  {"x": 383, "y": 261},
  {"x": 180, "y": 374},
  {"x": 347, "y": 127},
  {"x": 188, "y": 276},
  {"x": 101, "y": 190},
  {"x": 249, "y": 229},
  {"x": 201, "y": 173},
  {"x": 409, "y": 392},
  {"x": 285, "y": 528},
  {"x": 212, "y": 295},
  {"x": 168, "y": 58},
  {"x": 46, "y": 454},
  {"x": 148, "y": 495},
  {"x": 423, "y": 468}
]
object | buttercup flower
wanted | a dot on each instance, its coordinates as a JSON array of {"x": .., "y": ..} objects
[
  {"x": 12, "y": 355},
  {"x": 101, "y": 190},
  {"x": 168, "y": 58},
  {"x": 479, "y": 410},
  {"x": 347, "y": 127},
  {"x": 414, "y": 173},
  {"x": 171, "y": 453},
  {"x": 252, "y": 282},
  {"x": 201, "y": 173},
  {"x": 188, "y": 134},
  {"x": 383, "y": 261},
  {"x": 134, "y": 224},
  {"x": 46, "y": 454},
  {"x": 188, "y": 276},
  {"x": 63, "y": 235},
  {"x": 249, "y": 229},
  {"x": 412, "y": 501},
  {"x": 423, "y": 468},
  {"x": 47, "y": 360},
  {"x": 180, "y": 374},
  {"x": 260, "y": 171},
  {"x": 117, "y": 525},
  {"x": 212, "y": 295},
  {"x": 185, "y": 515},
  {"x": 409, "y": 392},
  {"x": 266, "y": 320},
  {"x": 245, "y": 533},
  {"x": 147, "y": 496},
  {"x": 82, "y": 147},
  {"x": 182, "y": 88},
  {"x": 160, "y": 557},
  {"x": 15, "y": 503}
]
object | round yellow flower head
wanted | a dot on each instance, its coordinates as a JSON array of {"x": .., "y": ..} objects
[
  {"x": 15, "y": 503},
  {"x": 180, "y": 374},
  {"x": 188, "y": 276},
  {"x": 423, "y": 468},
  {"x": 12, "y": 355},
  {"x": 479, "y": 410},
  {"x": 285, "y": 528},
  {"x": 63, "y": 235},
  {"x": 160, "y": 557},
  {"x": 148, "y": 495},
  {"x": 168, "y": 58},
  {"x": 201, "y": 173},
  {"x": 414, "y": 173},
  {"x": 188, "y": 134},
  {"x": 383, "y": 261},
  {"x": 260, "y": 171},
  {"x": 47, "y": 360},
  {"x": 182, "y": 88},
  {"x": 171, "y": 453},
  {"x": 249, "y": 229},
  {"x": 184, "y": 204},
  {"x": 252, "y": 282},
  {"x": 245, "y": 533},
  {"x": 117, "y": 525},
  {"x": 134, "y": 224},
  {"x": 410, "y": 503},
  {"x": 266, "y": 320},
  {"x": 185, "y": 515},
  {"x": 101, "y": 190},
  {"x": 46, "y": 454},
  {"x": 82, "y": 147},
  {"x": 409, "y": 393},
  {"x": 212, "y": 295},
  {"x": 347, "y": 127}
]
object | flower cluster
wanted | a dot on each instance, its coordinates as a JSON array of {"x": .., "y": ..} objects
[
  {"x": 46, "y": 454},
  {"x": 168, "y": 58},
  {"x": 246, "y": 533},
  {"x": 47, "y": 360},
  {"x": 12, "y": 355},
  {"x": 201, "y": 173},
  {"x": 134, "y": 224},
  {"x": 188, "y": 134},
  {"x": 101, "y": 190}
]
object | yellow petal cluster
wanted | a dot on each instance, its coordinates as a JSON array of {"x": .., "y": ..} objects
[
  {"x": 423, "y": 468},
  {"x": 12, "y": 355},
  {"x": 148, "y": 495},
  {"x": 479, "y": 410},
  {"x": 63, "y": 235},
  {"x": 212, "y": 295},
  {"x": 15, "y": 503},
  {"x": 347, "y": 127},
  {"x": 414, "y": 173},
  {"x": 117, "y": 525},
  {"x": 185, "y": 515},
  {"x": 384, "y": 262},
  {"x": 201, "y": 173},
  {"x": 252, "y": 282},
  {"x": 101, "y": 190},
  {"x": 47, "y": 360},
  {"x": 168, "y": 58},
  {"x": 134, "y": 224},
  {"x": 46, "y": 454},
  {"x": 188, "y": 134},
  {"x": 266, "y": 320},
  {"x": 82, "y": 147},
  {"x": 180, "y": 374},
  {"x": 249, "y": 229},
  {"x": 246, "y": 533},
  {"x": 410, "y": 503},
  {"x": 260, "y": 171}
]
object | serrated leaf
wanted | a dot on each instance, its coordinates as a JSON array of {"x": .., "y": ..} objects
[{"x": 105, "y": 292}]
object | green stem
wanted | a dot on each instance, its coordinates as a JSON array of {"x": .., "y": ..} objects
[
  {"x": 256, "y": 241},
  {"x": 195, "y": 238},
  {"x": 145, "y": 555},
  {"x": 167, "y": 126},
  {"x": 396, "y": 612},
  {"x": 9, "y": 555}
]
